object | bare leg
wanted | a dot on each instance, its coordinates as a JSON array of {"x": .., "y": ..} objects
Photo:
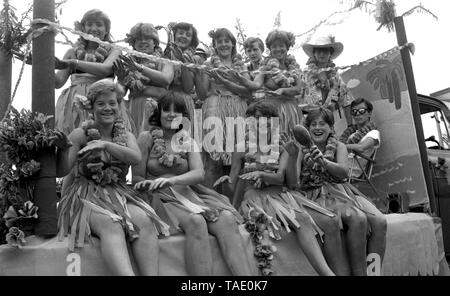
[
  {"x": 197, "y": 251},
  {"x": 213, "y": 170},
  {"x": 226, "y": 231},
  {"x": 307, "y": 240},
  {"x": 334, "y": 253},
  {"x": 377, "y": 239},
  {"x": 146, "y": 247},
  {"x": 112, "y": 244},
  {"x": 378, "y": 224},
  {"x": 356, "y": 239}
]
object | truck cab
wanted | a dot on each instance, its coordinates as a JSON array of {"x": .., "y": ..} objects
[{"x": 435, "y": 115}]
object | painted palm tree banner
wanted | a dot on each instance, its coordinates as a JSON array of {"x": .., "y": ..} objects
[{"x": 398, "y": 167}]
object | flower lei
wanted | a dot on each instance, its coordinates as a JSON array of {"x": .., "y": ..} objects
[
  {"x": 99, "y": 172},
  {"x": 98, "y": 56},
  {"x": 159, "y": 150},
  {"x": 289, "y": 76},
  {"x": 256, "y": 225},
  {"x": 323, "y": 80},
  {"x": 237, "y": 62},
  {"x": 132, "y": 78},
  {"x": 313, "y": 174},
  {"x": 353, "y": 135}
]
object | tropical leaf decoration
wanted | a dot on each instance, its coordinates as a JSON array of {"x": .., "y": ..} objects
[
  {"x": 386, "y": 78},
  {"x": 241, "y": 36},
  {"x": 277, "y": 23},
  {"x": 13, "y": 32}
]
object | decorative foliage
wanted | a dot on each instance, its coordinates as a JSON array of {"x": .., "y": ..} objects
[
  {"x": 241, "y": 36},
  {"x": 256, "y": 224},
  {"x": 23, "y": 135},
  {"x": 353, "y": 135},
  {"x": 13, "y": 32},
  {"x": 285, "y": 78},
  {"x": 313, "y": 174},
  {"x": 159, "y": 150},
  {"x": 15, "y": 237},
  {"x": 95, "y": 167},
  {"x": 386, "y": 77}
]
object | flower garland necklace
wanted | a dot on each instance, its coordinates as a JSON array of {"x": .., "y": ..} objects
[
  {"x": 159, "y": 149},
  {"x": 256, "y": 224},
  {"x": 290, "y": 75},
  {"x": 98, "y": 56},
  {"x": 237, "y": 63},
  {"x": 353, "y": 135},
  {"x": 97, "y": 171},
  {"x": 323, "y": 80},
  {"x": 313, "y": 174}
]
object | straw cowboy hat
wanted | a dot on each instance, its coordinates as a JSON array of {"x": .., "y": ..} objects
[{"x": 324, "y": 42}]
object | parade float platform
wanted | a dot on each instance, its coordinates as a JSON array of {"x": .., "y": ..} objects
[{"x": 414, "y": 247}]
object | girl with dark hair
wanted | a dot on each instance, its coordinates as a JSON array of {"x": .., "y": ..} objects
[
  {"x": 257, "y": 179},
  {"x": 321, "y": 175},
  {"x": 145, "y": 78},
  {"x": 98, "y": 201},
  {"x": 171, "y": 171},
  {"x": 87, "y": 63},
  {"x": 182, "y": 47},
  {"x": 224, "y": 98}
]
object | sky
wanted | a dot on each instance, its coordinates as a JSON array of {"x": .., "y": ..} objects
[{"x": 357, "y": 30}]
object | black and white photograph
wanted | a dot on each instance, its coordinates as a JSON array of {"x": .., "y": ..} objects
[{"x": 224, "y": 144}]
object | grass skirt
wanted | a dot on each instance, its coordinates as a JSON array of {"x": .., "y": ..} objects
[
  {"x": 85, "y": 196},
  {"x": 280, "y": 207},
  {"x": 194, "y": 199},
  {"x": 331, "y": 196},
  {"x": 223, "y": 106},
  {"x": 289, "y": 112}
]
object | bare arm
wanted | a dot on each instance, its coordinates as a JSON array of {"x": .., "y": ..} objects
[
  {"x": 66, "y": 158},
  {"x": 234, "y": 87},
  {"x": 201, "y": 80},
  {"x": 277, "y": 178},
  {"x": 129, "y": 154},
  {"x": 236, "y": 167},
  {"x": 196, "y": 172},
  {"x": 254, "y": 85},
  {"x": 163, "y": 78},
  {"x": 101, "y": 70},
  {"x": 139, "y": 170},
  {"x": 338, "y": 169},
  {"x": 154, "y": 92},
  {"x": 61, "y": 76},
  {"x": 293, "y": 170},
  {"x": 187, "y": 80},
  {"x": 294, "y": 90},
  {"x": 363, "y": 146}
]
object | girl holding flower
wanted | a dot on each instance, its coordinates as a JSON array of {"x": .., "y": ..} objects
[
  {"x": 320, "y": 173},
  {"x": 183, "y": 49},
  {"x": 98, "y": 201},
  {"x": 145, "y": 78},
  {"x": 87, "y": 63},
  {"x": 171, "y": 171}
]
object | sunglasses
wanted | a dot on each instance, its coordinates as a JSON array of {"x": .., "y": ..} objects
[{"x": 356, "y": 112}]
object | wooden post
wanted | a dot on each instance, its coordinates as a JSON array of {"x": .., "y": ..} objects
[
  {"x": 5, "y": 80},
  {"x": 43, "y": 101},
  {"x": 407, "y": 64}
]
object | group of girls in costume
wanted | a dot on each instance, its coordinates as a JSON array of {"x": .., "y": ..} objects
[{"x": 291, "y": 188}]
